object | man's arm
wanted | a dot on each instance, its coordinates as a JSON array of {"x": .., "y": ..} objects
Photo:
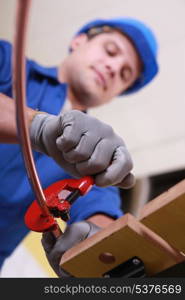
[
  {"x": 79, "y": 143},
  {"x": 8, "y": 134},
  {"x": 8, "y": 130},
  {"x": 101, "y": 220}
]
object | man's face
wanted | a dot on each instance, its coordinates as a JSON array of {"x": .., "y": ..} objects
[{"x": 101, "y": 68}]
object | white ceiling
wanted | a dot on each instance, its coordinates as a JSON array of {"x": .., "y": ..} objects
[{"x": 151, "y": 122}]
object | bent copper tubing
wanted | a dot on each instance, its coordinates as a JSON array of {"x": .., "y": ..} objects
[{"x": 20, "y": 96}]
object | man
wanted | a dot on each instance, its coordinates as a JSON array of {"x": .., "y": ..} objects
[{"x": 107, "y": 58}]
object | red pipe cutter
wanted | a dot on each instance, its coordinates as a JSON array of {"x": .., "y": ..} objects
[{"x": 59, "y": 197}]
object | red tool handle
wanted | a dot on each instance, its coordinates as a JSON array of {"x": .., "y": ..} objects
[{"x": 58, "y": 206}]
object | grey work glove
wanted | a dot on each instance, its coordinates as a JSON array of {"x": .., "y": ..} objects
[
  {"x": 54, "y": 249},
  {"x": 83, "y": 145}
]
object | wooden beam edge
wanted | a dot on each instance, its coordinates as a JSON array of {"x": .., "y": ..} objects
[
  {"x": 135, "y": 225},
  {"x": 163, "y": 199}
]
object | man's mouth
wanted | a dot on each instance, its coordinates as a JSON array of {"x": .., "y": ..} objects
[{"x": 101, "y": 78}]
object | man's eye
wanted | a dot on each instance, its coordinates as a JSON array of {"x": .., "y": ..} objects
[{"x": 111, "y": 50}]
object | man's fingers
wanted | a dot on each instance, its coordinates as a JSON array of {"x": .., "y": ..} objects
[
  {"x": 128, "y": 182},
  {"x": 99, "y": 161},
  {"x": 73, "y": 126},
  {"x": 117, "y": 171},
  {"x": 69, "y": 167},
  {"x": 69, "y": 138},
  {"x": 83, "y": 151}
]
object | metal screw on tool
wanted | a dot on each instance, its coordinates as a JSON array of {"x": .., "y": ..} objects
[
  {"x": 106, "y": 276},
  {"x": 136, "y": 261}
]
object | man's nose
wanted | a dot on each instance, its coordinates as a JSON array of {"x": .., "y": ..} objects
[
  {"x": 114, "y": 67},
  {"x": 110, "y": 71}
]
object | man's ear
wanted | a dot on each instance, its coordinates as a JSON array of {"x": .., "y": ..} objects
[{"x": 78, "y": 41}]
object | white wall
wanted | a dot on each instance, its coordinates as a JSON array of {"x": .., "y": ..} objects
[{"x": 151, "y": 122}]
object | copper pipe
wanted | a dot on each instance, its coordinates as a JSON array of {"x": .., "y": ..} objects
[{"x": 20, "y": 96}]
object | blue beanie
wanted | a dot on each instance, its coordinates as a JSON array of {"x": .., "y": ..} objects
[{"x": 143, "y": 40}]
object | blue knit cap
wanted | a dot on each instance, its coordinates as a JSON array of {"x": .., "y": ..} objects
[{"x": 143, "y": 40}]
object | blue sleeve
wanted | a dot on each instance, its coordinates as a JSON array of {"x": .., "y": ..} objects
[
  {"x": 98, "y": 201},
  {"x": 5, "y": 62}
]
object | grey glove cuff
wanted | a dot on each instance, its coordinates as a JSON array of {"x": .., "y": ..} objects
[
  {"x": 36, "y": 129},
  {"x": 93, "y": 229}
]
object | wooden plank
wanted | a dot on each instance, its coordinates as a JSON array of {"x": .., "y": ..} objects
[
  {"x": 165, "y": 215},
  {"x": 124, "y": 239}
]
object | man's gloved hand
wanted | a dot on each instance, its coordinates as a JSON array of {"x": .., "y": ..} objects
[
  {"x": 54, "y": 249},
  {"x": 83, "y": 145}
]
